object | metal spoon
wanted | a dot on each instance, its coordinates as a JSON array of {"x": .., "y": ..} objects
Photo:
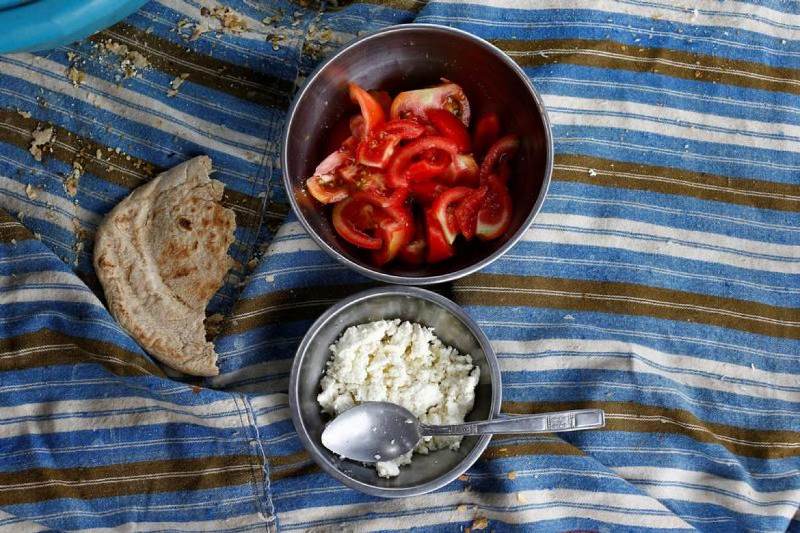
[{"x": 382, "y": 431}]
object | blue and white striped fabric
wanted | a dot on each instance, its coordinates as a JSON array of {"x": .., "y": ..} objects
[{"x": 660, "y": 282}]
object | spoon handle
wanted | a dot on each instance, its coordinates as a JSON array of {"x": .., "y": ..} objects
[{"x": 542, "y": 423}]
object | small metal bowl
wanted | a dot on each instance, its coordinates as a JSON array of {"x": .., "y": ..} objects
[
  {"x": 426, "y": 472},
  {"x": 411, "y": 56}
]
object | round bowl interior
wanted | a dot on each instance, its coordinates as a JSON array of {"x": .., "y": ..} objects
[
  {"x": 411, "y": 57},
  {"x": 426, "y": 472}
]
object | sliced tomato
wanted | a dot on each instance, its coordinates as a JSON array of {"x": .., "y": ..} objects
[
  {"x": 413, "y": 253},
  {"x": 383, "y": 98},
  {"x": 444, "y": 209},
  {"x": 363, "y": 178},
  {"x": 421, "y": 148},
  {"x": 328, "y": 185},
  {"x": 438, "y": 247},
  {"x": 373, "y": 182},
  {"x": 371, "y": 109},
  {"x": 328, "y": 189},
  {"x": 487, "y": 130},
  {"x": 463, "y": 170},
  {"x": 377, "y": 148},
  {"x": 466, "y": 212},
  {"x": 349, "y": 145},
  {"x": 503, "y": 170},
  {"x": 404, "y": 128},
  {"x": 426, "y": 192},
  {"x": 357, "y": 126},
  {"x": 502, "y": 151},
  {"x": 362, "y": 221},
  {"x": 448, "y": 96},
  {"x": 388, "y": 197},
  {"x": 494, "y": 217},
  {"x": 354, "y": 219},
  {"x": 448, "y": 125},
  {"x": 396, "y": 229},
  {"x": 429, "y": 166}
]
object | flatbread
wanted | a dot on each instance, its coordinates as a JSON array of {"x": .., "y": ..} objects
[{"x": 161, "y": 254}]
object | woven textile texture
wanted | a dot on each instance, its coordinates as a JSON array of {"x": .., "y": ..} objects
[{"x": 660, "y": 282}]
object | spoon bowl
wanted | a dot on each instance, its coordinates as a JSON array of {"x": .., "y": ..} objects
[{"x": 372, "y": 431}]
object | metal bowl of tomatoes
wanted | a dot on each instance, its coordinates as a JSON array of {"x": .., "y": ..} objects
[{"x": 417, "y": 154}]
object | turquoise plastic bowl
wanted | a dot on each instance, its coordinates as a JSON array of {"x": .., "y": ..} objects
[{"x": 30, "y": 25}]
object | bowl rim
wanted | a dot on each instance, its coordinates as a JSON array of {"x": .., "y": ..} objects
[
  {"x": 312, "y": 447},
  {"x": 439, "y": 278}
]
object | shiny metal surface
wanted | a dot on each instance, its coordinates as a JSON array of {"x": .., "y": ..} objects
[
  {"x": 372, "y": 431},
  {"x": 453, "y": 327},
  {"x": 553, "y": 422},
  {"x": 405, "y": 57},
  {"x": 382, "y": 431}
]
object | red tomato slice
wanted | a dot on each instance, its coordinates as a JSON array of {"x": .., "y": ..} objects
[
  {"x": 444, "y": 209},
  {"x": 388, "y": 198},
  {"x": 354, "y": 220},
  {"x": 396, "y": 230},
  {"x": 487, "y": 130},
  {"x": 438, "y": 247},
  {"x": 327, "y": 192},
  {"x": 373, "y": 183},
  {"x": 427, "y": 168},
  {"x": 447, "y": 96},
  {"x": 357, "y": 126},
  {"x": 501, "y": 151},
  {"x": 363, "y": 178},
  {"x": 383, "y": 98},
  {"x": 327, "y": 184},
  {"x": 413, "y": 253},
  {"x": 404, "y": 128},
  {"x": 363, "y": 222},
  {"x": 349, "y": 145},
  {"x": 371, "y": 109},
  {"x": 466, "y": 212},
  {"x": 448, "y": 125},
  {"x": 463, "y": 170},
  {"x": 504, "y": 170},
  {"x": 426, "y": 192},
  {"x": 398, "y": 167},
  {"x": 377, "y": 148},
  {"x": 494, "y": 217}
]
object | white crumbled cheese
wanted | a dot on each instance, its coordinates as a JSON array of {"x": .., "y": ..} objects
[{"x": 406, "y": 364}]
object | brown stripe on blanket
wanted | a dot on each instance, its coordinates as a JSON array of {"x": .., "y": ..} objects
[
  {"x": 287, "y": 305},
  {"x": 291, "y": 465},
  {"x": 634, "y": 417},
  {"x": 503, "y": 451},
  {"x": 665, "y": 180},
  {"x": 295, "y": 471},
  {"x": 46, "y": 347},
  {"x": 174, "y": 59},
  {"x": 415, "y": 6},
  {"x": 675, "y": 63},
  {"x": 11, "y": 230},
  {"x": 630, "y": 299},
  {"x": 108, "y": 481},
  {"x": 300, "y": 463}
]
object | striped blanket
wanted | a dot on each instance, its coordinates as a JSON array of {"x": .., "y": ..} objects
[{"x": 661, "y": 281}]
